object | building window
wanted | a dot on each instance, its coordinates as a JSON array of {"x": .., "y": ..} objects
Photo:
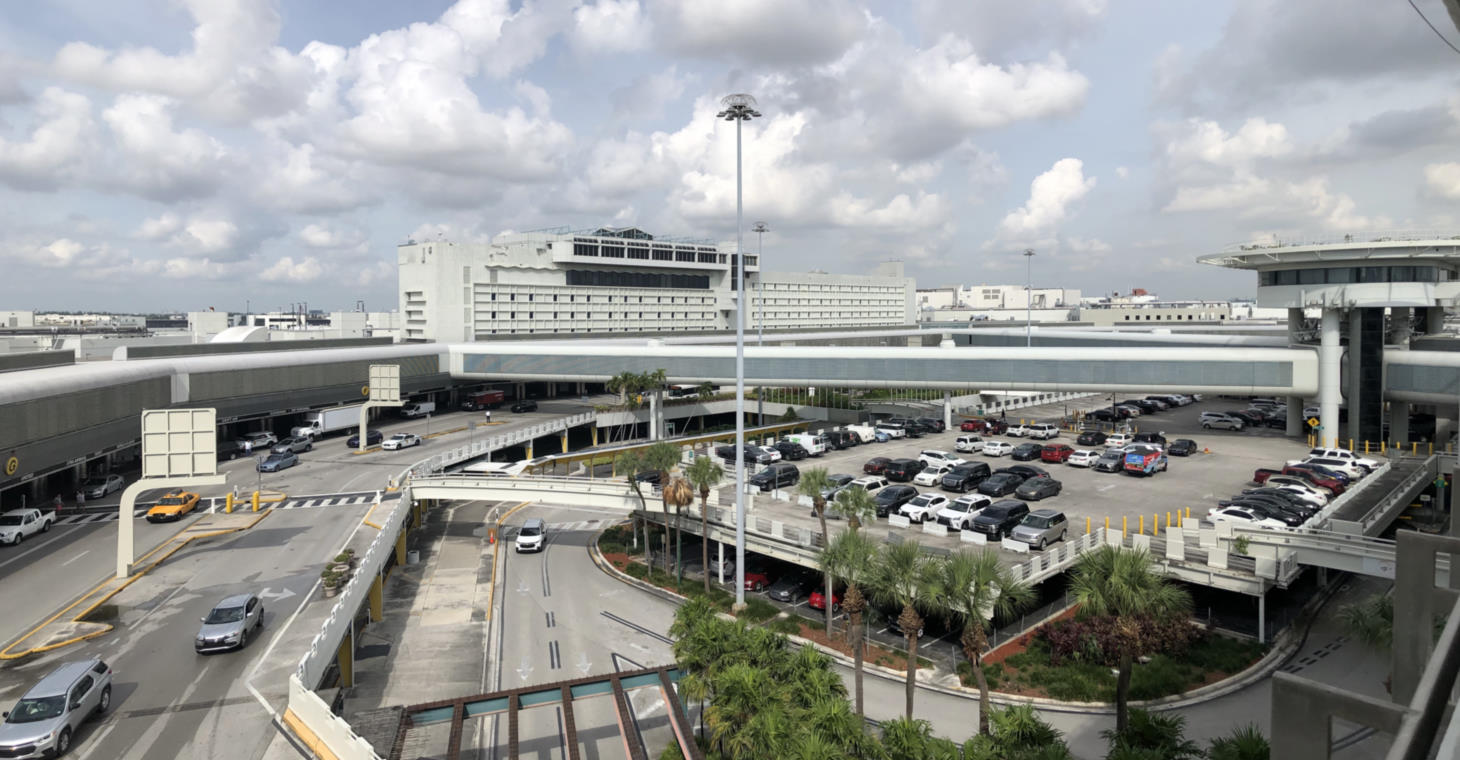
[{"x": 512, "y": 297}]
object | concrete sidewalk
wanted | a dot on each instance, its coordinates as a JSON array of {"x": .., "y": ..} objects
[{"x": 431, "y": 643}]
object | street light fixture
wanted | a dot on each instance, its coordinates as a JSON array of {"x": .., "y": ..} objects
[
  {"x": 760, "y": 230},
  {"x": 1028, "y": 296},
  {"x": 739, "y": 108}
]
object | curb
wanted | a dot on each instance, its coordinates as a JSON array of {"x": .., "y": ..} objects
[
  {"x": 7, "y": 654},
  {"x": 1264, "y": 667}
]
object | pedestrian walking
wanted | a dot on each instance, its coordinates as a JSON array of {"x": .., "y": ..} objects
[
  {"x": 489, "y": 416},
  {"x": 57, "y": 503},
  {"x": 80, "y": 499},
  {"x": 247, "y": 447}
]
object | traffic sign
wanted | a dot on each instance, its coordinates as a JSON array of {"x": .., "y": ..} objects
[{"x": 1312, "y": 422}]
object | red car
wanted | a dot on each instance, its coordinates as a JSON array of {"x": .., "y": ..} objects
[
  {"x": 818, "y": 600},
  {"x": 971, "y": 426},
  {"x": 756, "y": 580},
  {"x": 1056, "y": 453},
  {"x": 876, "y": 465},
  {"x": 1334, "y": 486}
]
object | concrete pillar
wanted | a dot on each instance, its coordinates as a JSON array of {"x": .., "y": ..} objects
[
  {"x": 400, "y": 549},
  {"x": 655, "y": 429},
  {"x": 1262, "y": 618},
  {"x": 594, "y": 430},
  {"x": 1295, "y": 426},
  {"x": 948, "y": 410},
  {"x": 1399, "y": 421},
  {"x": 1399, "y": 319},
  {"x": 377, "y": 606},
  {"x": 1351, "y": 380},
  {"x": 582, "y": 389},
  {"x": 1434, "y": 320},
  {"x": 1330, "y": 357},
  {"x": 1444, "y": 428}
]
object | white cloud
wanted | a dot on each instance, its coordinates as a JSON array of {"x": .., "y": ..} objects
[
  {"x": 324, "y": 236},
  {"x": 298, "y": 178},
  {"x": 1198, "y": 140},
  {"x": 648, "y": 95},
  {"x": 1444, "y": 180},
  {"x": 161, "y": 228},
  {"x": 289, "y": 270},
  {"x": 154, "y": 159},
  {"x": 759, "y": 32},
  {"x": 1122, "y": 172},
  {"x": 610, "y": 26},
  {"x": 1051, "y": 195},
  {"x": 57, "y": 148},
  {"x": 1087, "y": 245}
]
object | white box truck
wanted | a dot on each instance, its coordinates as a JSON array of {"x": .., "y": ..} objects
[
  {"x": 413, "y": 409},
  {"x": 867, "y": 433},
  {"x": 814, "y": 444},
  {"x": 326, "y": 421}
]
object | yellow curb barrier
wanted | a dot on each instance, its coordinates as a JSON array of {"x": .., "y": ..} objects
[
  {"x": 366, "y": 521},
  {"x": 7, "y": 654},
  {"x": 368, "y": 450},
  {"x": 446, "y": 432},
  {"x": 307, "y": 737}
]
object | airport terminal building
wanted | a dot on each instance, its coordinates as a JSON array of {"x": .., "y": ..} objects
[{"x": 623, "y": 280}]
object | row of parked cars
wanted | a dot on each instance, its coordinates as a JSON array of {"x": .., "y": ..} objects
[
  {"x": 1132, "y": 408},
  {"x": 1289, "y": 497}
]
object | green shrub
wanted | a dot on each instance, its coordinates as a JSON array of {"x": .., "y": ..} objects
[
  {"x": 636, "y": 570},
  {"x": 1037, "y": 653},
  {"x": 758, "y": 610},
  {"x": 789, "y": 626},
  {"x": 994, "y": 674},
  {"x": 1161, "y": 677},
  {"x": 1075, "y": 682},
  {"x": 1214, "y": 652}
]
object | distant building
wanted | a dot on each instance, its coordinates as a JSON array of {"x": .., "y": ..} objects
[{"x": 622, "y": 280}]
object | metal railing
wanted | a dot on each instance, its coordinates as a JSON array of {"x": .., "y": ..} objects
[
  {"x": 440, "y": 462},
  {"x": 1378, "y": 236}
]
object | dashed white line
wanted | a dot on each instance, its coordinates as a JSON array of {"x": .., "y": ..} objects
[{"x": 73, "y": 559}]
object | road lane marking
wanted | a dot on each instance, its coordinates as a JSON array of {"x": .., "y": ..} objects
[
  {"x": 73, "y": 559},
  {"x": 27, "y": 552},
  {"x": 155, "y": 608}
]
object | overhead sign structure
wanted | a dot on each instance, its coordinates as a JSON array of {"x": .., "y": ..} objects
[
  {"x": 179, "y": 443},
  {"x": 385, "y": 383}
]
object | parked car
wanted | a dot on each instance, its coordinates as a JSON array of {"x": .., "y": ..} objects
[
  {"x": 47, "y": 717},
  {"x": 1036, "y": 489},
  {"x": 932, "y": 475},
  {"x": 968, "y": 444},
  {"x": 767, "y": 454},
  {"x": 18, "y": 524},
  {"x": 372, "y": 438},
  {"x": 1041, "y": 528},
  {"x": 842, "y": 439},
  {"x": 932, "y": 457},
  {"x": 1146, "y": 406},
  {"x": 999, "y": 518},
  {"x": 1333, "y": 485},
  {"x": 1017, "y": 430},
  {"x": 997, "y": 448},
  {"x": 903, "y": 470},
  {"x": 924, "y": 428},
  {"x": 297, "y": 444},
  {"x": 891, "y": 431},
  {"x": 1347, "y": 467},
  {"x": 1249, "y": 418},
  {"x": 1103, "y": 414},
  {"x": 1082, "y": 458},
  {"x": 1117, "y": 440},
  {"x": 936, "y": 424},
  {"x": 1245, "y": 516},
  {"x": 277, "y": 462},
  {"x": 995, "y": 426},
  {"x": 1222, "y": 423},
  {"x": 1001, "y": 484},
  {"x": 870, "y": 483},
  {"x": 891, "y": 498},
  {"x": 401, "y": 441},
  {"x": 965, "y": 477},
  {"x": 527, "y": 405},
  {"x": 959, "y": 513},
  {"x": 1280, "y": 480},
  {"x": 1363, "y": 462},
  {"x": 1026, "y": 471},
  {"x": 923, "y": 507},
  {"x": 1025, "y": 452},
  {"x": 817, "y": 600},
  {"x": 1111, "y": 460},
  {"x": 971, "y": 426},
  {"x": 1090, "y": 438},
  {"x": 776, "y": 475},
  {"x": 98, "y": 487},
  {"x": 1144, "y": 459},
  {"x": 1056, "y": 453},
  {"x": 793, "y": 586},
  {"x": 757, "y": 577},
  {"x": 173, "y": 506},
  {"x": 838, "y": 481},
  {"x": 229, "y": 623},
  {"x": 791, "y": 451},
  {"x": 1182, "y": 447},
  {"x": 1295, "y": 494},
  {"x": 1155, "y": 439},
  {"x": 876, "y": 465},
  {"x": 1042, "y": 431},
  {"x": 259, "y": 441}
]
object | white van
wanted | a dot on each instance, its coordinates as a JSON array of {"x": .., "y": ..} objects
[
  {"x": 814, "y": 444},
  {"x": 867, "y": 433},
  {"x": 1042, "y": 431},
  {"x": 968, "y": 444}
]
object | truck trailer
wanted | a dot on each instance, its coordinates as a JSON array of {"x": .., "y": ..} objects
[
  {"x": 483, "y": 400},
  {"x": 326, "y": 421}
]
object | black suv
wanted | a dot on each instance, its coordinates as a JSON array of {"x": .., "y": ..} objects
[
  {"x": 903, "y": 470},
  {"x": 1156, "y": 438},
  {"x": 1001, "y": 484},
  {"x": 1181, "y": 447},
  {"x": 1091, "y": 438},
  {"x": 525, "y": 406},
  {"x": 1103, "y": 414},
  {"x": 936, "y": 425},
  {"x": 791, "y": 451},
  {"x": 966, "y": 477},
  {"x": 909, "y": 427},
  {"x": 891, "y": 498},
  {"x": 1026, "y": 471},
  {"x": 843, "y": 439},
  {"x": 1147, "y": 406},
  {"x": 776, "y": 475},
  {"x": 999, "y": 518}
]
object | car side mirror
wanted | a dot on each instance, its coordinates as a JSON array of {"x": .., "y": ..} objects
[
  {"x": 5, "y": 714},
  {"x": 202, "y": 620},
  {"x": 76, "y": 705}
]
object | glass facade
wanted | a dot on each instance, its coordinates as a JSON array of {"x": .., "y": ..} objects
[
  {"x": 1349, "y": 275},
  {"x": 598, "y": 279}
]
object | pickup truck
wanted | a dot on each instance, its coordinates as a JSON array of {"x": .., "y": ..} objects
[
  {"x": 17, "y": 524},
  {"x": 1261, "y": 474}
]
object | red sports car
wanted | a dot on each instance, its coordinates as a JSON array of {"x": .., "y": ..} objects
[{"x": 818, "y": 600}]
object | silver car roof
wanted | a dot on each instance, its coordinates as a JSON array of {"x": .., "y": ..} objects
[
  {"x": 237, "y": 600},
  {"x": 58, "y": 681}
]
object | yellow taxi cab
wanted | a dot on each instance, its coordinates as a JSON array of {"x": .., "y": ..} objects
[{"x": 173, "y": 506}]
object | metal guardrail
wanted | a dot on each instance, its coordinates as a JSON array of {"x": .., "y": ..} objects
[
  {"x": 440, "y": 462},
  {"x": 1378, "y": 236}
]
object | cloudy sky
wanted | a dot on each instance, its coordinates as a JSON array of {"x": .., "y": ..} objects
[{"x": 181, "y": 154}]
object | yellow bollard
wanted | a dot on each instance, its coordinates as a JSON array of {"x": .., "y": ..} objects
[
  {"x": 1087, "y": 526},
  {"x": 1383, "y": 447},
  {"x": 1107, "y": 523},
  {"x": 1350, "y": 444},
  {"x": 1432, "y": 447},
  {"x": 1123, "y": 525},
  {"x": 1168, "y": 518},
  {"x": 1366, "y": 447},
  {"x": 1188, "y": 513},
  {"x": 1156, "y": 524},
  {"x": 255, "y": 501},
  {"x": 1142, "y": 525},
  {"x": 1414, "y": 449},
  {"x": 228, "y": 503}
]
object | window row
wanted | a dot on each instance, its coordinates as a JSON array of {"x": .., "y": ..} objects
[
  {"x": 1350, "y": 275},
  {"x": 604, "y": 279}
]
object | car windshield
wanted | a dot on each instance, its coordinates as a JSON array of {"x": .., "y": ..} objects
[
  {"x": 94, "y": 483},
  {"x": 171, "y": 501},
  {"x": 922, "y": 501},
  {"x": 10, "y": 520},
  {"x": 994, "y": 513},
  {"x": 531, "y": 530},
  {"x": 399, "y": 437},
  {"x": 1036, "y": 522},
  {"x": 40, "y": 708},
  {"x": 224, "y": 615},
  {"x": 959, "y": 506}
]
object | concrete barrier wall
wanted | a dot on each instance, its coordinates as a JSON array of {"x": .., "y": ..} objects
[
  {"x": 613, "y": 495},
  {"x": 326, "y": 734}
]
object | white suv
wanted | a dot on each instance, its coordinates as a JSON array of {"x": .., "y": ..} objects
[
  {"x": 1219, "y": 421},
  {"x": 935, "y": 458},
  {"x": 924, "y": 507},
  {"x": 1117, "y": 440},
  {"x": 960, "y": 512},
  {"x": 1347, "y": 467},
  {"x": 1042, "y": 431},
  {"x": 1364, "y": 463},
  {"x": 532, "y": 537},
  {"x": 968, "y": 444}
]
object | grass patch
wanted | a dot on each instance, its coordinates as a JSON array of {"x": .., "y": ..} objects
[
  {"x": 1032, "y": 673},
  {"x": 786, "y": 625},
  {"x": 619, "y": 539},
  {"x": 758, "y": 610},
  {"x": 1224, "y": 653}
]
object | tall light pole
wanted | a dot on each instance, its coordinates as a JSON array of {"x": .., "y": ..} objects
[
  {"x": 1028, "y": 296},
  {"x": 760, "y": 230},
  {"x": 739, "y": 108}
]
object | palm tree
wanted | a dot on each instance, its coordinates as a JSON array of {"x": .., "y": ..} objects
[
  {"x": 679, "y": 494},
  {"x": 975, "y": 587},
  {"x": 902, "y": 576},
  {"x": 857, "y": 506},
  {"x": 630, "y": 462},
  {"x": 704, "y": 474},
  {"x": 1125, "y": 584},
  {"x": 1370, "y": 621},
  {"x": 849, "y": 557},
  {"x": 1244, "y": 743},
  {"x": 1018, "y": 734},
  {"x": 814, "y": 484},
  {"x": 1152, "y": 735},
  {"x": 661, "y": 457}
]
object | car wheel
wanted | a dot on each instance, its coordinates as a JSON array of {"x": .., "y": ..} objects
[
  {"x": 45, "y": 526},
  {"x": 1205, "y": 426},
  {"x": 18, "y": 538},
  {"x": 1040, "y": 545},
  {"x": 63, "y": 742},
  {"x": 243, "y": 638},
  {"x": 106, "y": 700}
]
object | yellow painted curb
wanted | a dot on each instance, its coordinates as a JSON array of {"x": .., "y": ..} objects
[
  {"x": 445, "y": 432},
  {"x": 368, "y": 450},
  {"x": 366, "y": 520},
  {"x": 7, "y": 654},
  {"x": 307, "y": 737},
  {"x": 496, "y": 554}
]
